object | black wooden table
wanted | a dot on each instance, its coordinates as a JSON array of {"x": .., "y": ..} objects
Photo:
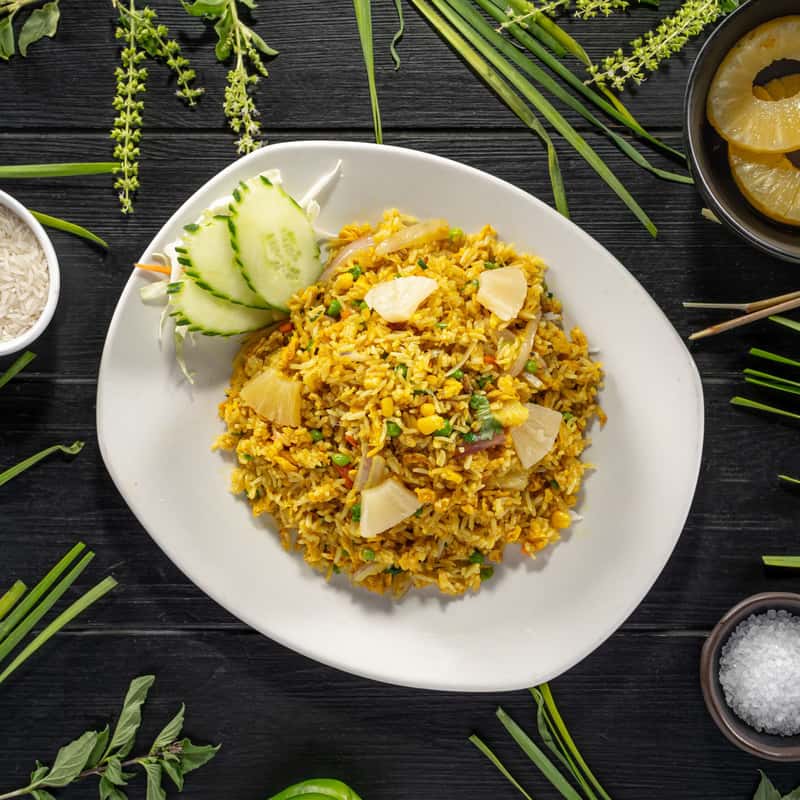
[{"x": 634, "y": 705}]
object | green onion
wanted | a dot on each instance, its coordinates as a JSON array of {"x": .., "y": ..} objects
[
  {"x": 356, "y": 272},
  {"x": 788, "y": 562},
  {"x": 469, "y": 437},
  {"x": 568, "y": 416},
  {"x": 355, "y": 513},
  {"x": 401, "y": 370},
  {"x": 531, "y": 366},
  {"x": 505, "y": 93},
  {"x": 769, "y": 377},
  {"x": 789, "y": 479},
  {"x": 16, "y": 367},
  {"x": 17, "y": 469},
  {"x": 765, "y": 354},
  {"x": 393, "y": 429},
  {"x": 63, "y": 170},
  {"x": 393, "y": 570},
  {"x": 445, "y": 430},
  {"x": 544, "y": 79},
  {"x": 486, "y": 573},
  {"x": 441, "y": 325},
  {"x": 743, "y": 402},
  {"x": 496, "y": 761},
  {"x": 11, "y": 598},
  {"x": 316, "y": 435},
  {"x": 341, "y": 459},
  {"x": 364, "y": 19},
  {"x": 368, "y": 554},
  {"x": 772, "y": 384},
  {"x": 530, "y": 93},
  {"x": 476, "y": 557},
  {"x": 554, "y": 485},
  {"x": 69, "y": 227},
  {"x": 421, "y": 263},
  {"x": 418, "y": 513},
  {"x": 456, "y": 374},
  {"x": 483, "y": 380},
  {"x": 545, "y": 765},
  {"x": 786, "y": 322},
  {"x": 334, "y": 309},
  {"x": 398, "y": 4},
  {"x": 78, "y": 607}
]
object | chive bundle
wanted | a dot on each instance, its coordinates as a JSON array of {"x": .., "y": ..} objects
[
  {"x": 21, "y": 611},
  {"x": 557, "y": 739}
]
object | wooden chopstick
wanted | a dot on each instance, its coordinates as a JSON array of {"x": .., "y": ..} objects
[
  {"x": 746, "y": 319},
  {"x": 756, "y": 305}
]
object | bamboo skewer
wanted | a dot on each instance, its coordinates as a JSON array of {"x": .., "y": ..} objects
[{"x": 757, "y": 310}]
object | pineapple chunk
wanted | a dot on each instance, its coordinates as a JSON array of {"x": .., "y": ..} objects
[
  {"x": 274, "y": 396},
  {"x": 535, "y": 438},
  {"x": 384, "y": 506},
  {"x": 503, "y": 291},
  {"x": 398, "y": 299}
]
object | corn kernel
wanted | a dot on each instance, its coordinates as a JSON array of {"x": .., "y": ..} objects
[
  {"x": 387, "y": 406},
  {"x": 344, "y": 282},
  {"x": 560, "y": 520},
  {"x": 427, "y": 409},
  {"x": 451, "y": 476},
  {"x": 506, "y": 385},
  {"x": 451, "y": 388},
  {"x": 511, "y": 414},
  {"x": 427, "y": 425}
]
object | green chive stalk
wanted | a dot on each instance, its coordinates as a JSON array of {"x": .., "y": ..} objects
[
  {"x": 786, "y": 562},
  {"x": 58, "y": 170},
  {"x": 363, "y": 10},
  {"x": 12, "y": 472},
  {"x": 768, "y": 356},
  {"x": 66, "y": 226},
  {"x": 486, "y": 750},
  {"x": 743, "y": 402},
  {"x": 16, "y": 367},
  {"x": 11, "y": 598}
]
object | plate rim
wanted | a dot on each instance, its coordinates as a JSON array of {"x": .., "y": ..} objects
[{"x": 308, "y": 652}]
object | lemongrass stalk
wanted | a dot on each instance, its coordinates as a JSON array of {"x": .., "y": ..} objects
[
  {"x": 484, "y": 748},
  {"x": 504, "y": 92},
  {"x": 787, "y": 562},
  {"x": 743, "y": 402},
  {"x": 544, "y": 79},
  {"x": 778, "y": 387},
  {"x": 18, "y": 469},
  {"x": 38, "y": 590},
  {"x": 767, "y": 376},
  {"x": 11, "y": 598},
  {"x": 766, "y": 355},
  {"x": 16, "y": 367},
  {"x": 62, "y": 170},
  {"x": 26, "y": 624},
  {"x": 78, "y": 607},
  {"x": 68, "y": 227},
  {"x": 495, "y": 9},
  {"x": 525, "y": 9},
  {"x": 549, "y": 112},
  {"x": 789, "y": 479},
  {"x": 363, "y": 10}
]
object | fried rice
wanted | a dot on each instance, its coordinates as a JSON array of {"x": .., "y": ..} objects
[{"x": 367, "y": 383}]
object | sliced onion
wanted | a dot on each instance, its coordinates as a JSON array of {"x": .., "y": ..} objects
[
  {"x": 516, "y": 480},
  {"x": 363, "y": 473},
  {"x": 528, "y": 336},
  {"x": 535, "y": 438},
  {"x": 533, "y": 380},
  {"x": 372, "y": 568},
  {"x": 384, "y": 506},
  {"x": 484, "y": 444},
  {"x": 370, "y": 472},
  {"x": 347, "y": 252},
  {"x": 421, "y": 233}
]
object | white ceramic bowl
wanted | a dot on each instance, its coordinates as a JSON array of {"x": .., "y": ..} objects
[{"x": 27, "y": 338}]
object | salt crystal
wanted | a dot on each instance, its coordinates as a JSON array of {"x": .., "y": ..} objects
[{"x": 759, "y": 670}]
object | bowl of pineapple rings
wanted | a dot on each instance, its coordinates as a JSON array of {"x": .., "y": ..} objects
[{"x": 742, "y": 124}]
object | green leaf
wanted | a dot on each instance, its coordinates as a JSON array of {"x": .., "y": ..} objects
[
  {"x": 131, "y": 716},
  {"x": 113, "y": 772},
  {"x": 99, "y": 748},
  {"x": 6, "y": 38},
  {"x": 251, "y": 4},
  {"x": 484, "y": 748},
  {"x": 224, "y": 29},
  {"x": 173, "y": 769},
  {"x": 42, "y": 22},
  {"x": 154, "y": 790},
  {"x": 70, "y": 761},
  {"x": 16, "y": 367},
  {"x": 194, "y": 756},
  {"x": 39, "y": 773},
  {"x": 206, "y": 8},
  {"x": 170, "y": 732},
  {"x": 261, "y": 44},
  {"x": 793, "y": 795},
  {"x": 110, "y": 792},
  {"x": 766, "y": 791},
  {"x": 363, "y": 9},
  {"x": 69, "y": 227},
  {"x": 12, "y": 472},
  {"x": 41, "y": 794}
]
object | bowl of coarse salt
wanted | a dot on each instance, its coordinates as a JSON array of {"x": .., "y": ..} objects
[
  {"x": 29, "y": 277},
  {"x": 750, "y": 675}
]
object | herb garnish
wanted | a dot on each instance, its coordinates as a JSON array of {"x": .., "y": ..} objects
[
  {"x": 489, "y": 426},
  {"x": 41, "y": 22}
]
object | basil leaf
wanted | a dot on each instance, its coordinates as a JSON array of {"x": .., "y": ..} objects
[
  {"x": 174, "y": 771},
  {"x": 262, "y": 45},
  {"x": 131, "y": 716},
  {"x": 39, "y": 773},
  {"x": 194, "y": 756},
  {"x": 41, "y": 794},
  {"x": 170, "y": 732},
  {"x": 6, "y": 38},
  {"x": 113, "y": 772},
  {"x": 42, "y": 22},
  {"x": 110, "y": 792},
  {"x": 793, "y": 795},
  {"x": 70, "y": 761},
  {"x": 154, "y": 790},
  {"x": 251, "y": 4},
  {"x": 99, "y": 749},
  {"x": 766, "y": 791},
  {"x": 224, "y": 29},
  {"x": 202, "y": 8}
]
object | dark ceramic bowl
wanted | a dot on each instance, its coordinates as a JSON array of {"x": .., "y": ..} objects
[
  {"x": 763, "y": 745},
  {"x": 708, "y": 152}
]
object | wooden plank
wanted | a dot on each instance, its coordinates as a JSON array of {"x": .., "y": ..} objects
[
  {"x": 634, "y": 708},
  {"x": 318, "y": 80}
]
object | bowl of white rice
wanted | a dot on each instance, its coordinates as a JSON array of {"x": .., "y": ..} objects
[{"x": 29, "y": 277}]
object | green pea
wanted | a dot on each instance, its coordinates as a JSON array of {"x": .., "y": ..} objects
[
  {"x": 393, "y": 429},
  {"x": 356, "y": 272},
  {"x": 367, "y": 553},
  {"x": 316, "y": 435},
  {"x": 355, "y": 514},
  {"x": 476, "y": 557},
  {"x": 486, "y": 573},
  {"x": 341, "y": 459},
  {"x": 531, "y": 366},
  {"x": 334, "y": 309},
  {"x": 457, "y": 374}
]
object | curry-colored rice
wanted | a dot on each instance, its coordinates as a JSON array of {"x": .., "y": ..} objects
[{"x": 349, "y": 365}]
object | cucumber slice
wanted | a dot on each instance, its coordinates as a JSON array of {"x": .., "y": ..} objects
[
  {"x": 201, "y": 311},
  {"x": 273, "y": 241},
  {"x": 207, "y": 256}
]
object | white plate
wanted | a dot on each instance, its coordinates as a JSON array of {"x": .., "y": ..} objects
[{"x": 533, "y": 620}]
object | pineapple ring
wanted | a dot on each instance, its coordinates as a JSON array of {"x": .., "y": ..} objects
[
  {"x": 739, "y": 116},
  {"x": 770, "y": 182}
]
